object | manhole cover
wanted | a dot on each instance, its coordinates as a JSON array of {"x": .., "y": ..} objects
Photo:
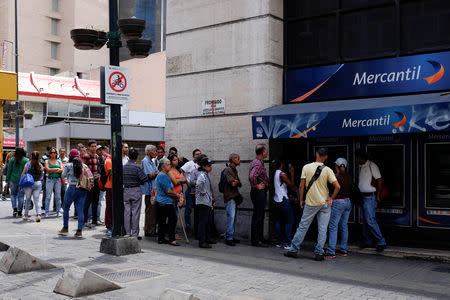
[
  {"x": 57, "y": 260},
  {"x": 131, "y": 275},
  {"x": 442, "y": 269}
]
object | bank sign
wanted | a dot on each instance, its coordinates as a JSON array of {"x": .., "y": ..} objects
[
  {"x": 372, "y": 121},
  {"x": 401, "y": 75}
]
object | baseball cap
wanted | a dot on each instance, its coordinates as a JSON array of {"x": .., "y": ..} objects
[
  {"x": 99, "y": 147},
  {"x": 205, "y": 162},
  {"x": 341, "y": 161}
]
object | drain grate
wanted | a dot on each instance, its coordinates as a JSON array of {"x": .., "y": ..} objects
[
  {"x": 129, "y": 275},
  {"x": 442, "y": 269},
  {"x": 101, "y": 270}
]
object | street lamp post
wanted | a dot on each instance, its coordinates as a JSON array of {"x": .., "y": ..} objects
[{"x": 17, "y": 71}]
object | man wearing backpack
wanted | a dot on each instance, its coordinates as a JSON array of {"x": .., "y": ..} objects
[
  {"x": 229, "y": 184},
  {"x": 315, "y": 177}
]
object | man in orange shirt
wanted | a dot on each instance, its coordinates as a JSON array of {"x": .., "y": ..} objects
[{"x": 108, "y": 196}]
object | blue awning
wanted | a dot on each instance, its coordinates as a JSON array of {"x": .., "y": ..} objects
[{"x": 370, "y": 116}]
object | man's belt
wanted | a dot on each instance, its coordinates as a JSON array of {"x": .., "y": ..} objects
[{"x": 368, "y": 194}]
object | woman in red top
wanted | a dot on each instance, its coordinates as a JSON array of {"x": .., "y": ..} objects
[{"x": 175, "y": 176}]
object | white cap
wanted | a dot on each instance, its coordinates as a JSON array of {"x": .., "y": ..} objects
[{"x": 341, "y": 161}]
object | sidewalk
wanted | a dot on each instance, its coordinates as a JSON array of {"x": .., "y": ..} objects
[{"x": 220, "y": 273}]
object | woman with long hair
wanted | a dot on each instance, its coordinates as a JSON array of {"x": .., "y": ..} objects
[
  {"x": 36, "y": 170},
  {"x": 15, "y": 168},
  {"x": 53, "y": 167},
  {"x": 72, "y": 172},
  {"x": 340, "y": 211},
  {"x": 175, "y": 176}
]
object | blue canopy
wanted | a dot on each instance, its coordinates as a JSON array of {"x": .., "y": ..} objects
[{"x": 370, "y": 116}]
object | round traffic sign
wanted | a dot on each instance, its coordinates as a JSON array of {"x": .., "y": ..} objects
[{"x": 117, "y": 81}]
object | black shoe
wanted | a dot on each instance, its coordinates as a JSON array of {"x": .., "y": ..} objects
[
  {"x": 15, "y": 212},
  {"x": 236, "y": 241},
  {"x": 259, "y": 244},
  {"x": 230, "y": 243},
  {"x": 380, "y": 248},
  {"x": 205, "y": 245},
  {"x": 319, "y": 257},
  {"x": 19, "y": 213},
  {"x": 95, "y": 224},
  {"x": 139, "y": 238},
  {"x": 291, "y": 254}
]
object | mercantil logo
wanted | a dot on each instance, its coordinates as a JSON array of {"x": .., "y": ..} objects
[{"x": 439, "y": 69}]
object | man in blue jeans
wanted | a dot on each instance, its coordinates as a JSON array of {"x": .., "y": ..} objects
[
  {"x": 231, "y": 197},
  {"x": 370, "y": 184},
  {"x": 318, "y": 203}
]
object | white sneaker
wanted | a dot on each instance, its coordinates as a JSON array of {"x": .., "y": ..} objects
[{"x": 25, "y": 218}]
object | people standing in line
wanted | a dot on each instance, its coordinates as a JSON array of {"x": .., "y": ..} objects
[
  {"x": 151, "y": 171},
  {"x": 160, "y": 153},
  {"x": 108, "y": 196},
  {"x": 181, "y": 160},
  {"x": 82, "y": 149},
  {"x": 72, "y": 171},
  {"x": 124, "y": 153},
  {"x": 204, "y": 202},
  {"x": 64, "y": 160},
  {"x": 53, "y": 167},
  {"x": 91, "y": 160},
  {"x": 166, "y": 199},
  {"x": 259, "y": 182},
  {"x": 44, "y": 158},
  {"x": 282, "y": 206},
  {"x": 36, "y": 170},
  {"x": 370, "y": 184},
  {"x": 101, "y": 197},
  {"x": 315, "y": 177},
  {"x": 133, "y": 178},
  {"x": 188, "y": 170},
  {"x": 340, "y": 211},
  {"x": 13, "y": 175},
  {"x": 231, "y": 197}
]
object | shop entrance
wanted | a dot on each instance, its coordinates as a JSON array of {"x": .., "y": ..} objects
[
  {"x": 434, "y": 181},
  {"x": 392, "y": 154}
]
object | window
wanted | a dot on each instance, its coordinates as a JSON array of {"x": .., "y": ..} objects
[
  {"x": 55, "y": 5},
  {"x": 78, "y": 111},
  {"x": 54, "y": 26},
  {"x": 54, "y": 50},
  {"x": 58, "y": 109},
  {"x": 53, "y": 71},
  {"x": 437, "y": 175}
]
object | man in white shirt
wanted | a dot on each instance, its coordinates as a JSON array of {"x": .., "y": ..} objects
[
  {"x": 370, "y": 184},
  {"x": 188, "y": 169}
]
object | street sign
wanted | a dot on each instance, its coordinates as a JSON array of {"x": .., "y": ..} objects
[
  {"x": 115, "y": 81},
  {"x": 213, "y": 107},
  {"x": 8, "y": 86}
]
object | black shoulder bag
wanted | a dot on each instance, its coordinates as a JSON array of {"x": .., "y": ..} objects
[{"x": 314, "y": 178}]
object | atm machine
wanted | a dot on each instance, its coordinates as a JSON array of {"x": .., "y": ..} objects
[
  {"x": 392, "y": 154},
  {"x": 433, "y": 180}
]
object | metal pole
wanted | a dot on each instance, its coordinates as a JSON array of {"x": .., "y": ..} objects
[
  {"x": 17, "y": 71},
  {"x": 116, "y": 135}
]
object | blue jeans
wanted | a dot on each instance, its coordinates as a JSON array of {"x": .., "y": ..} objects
[
  {"x": 16, "y": 196},
  {"x": 188, "y": 209},
  {"x": 309, "y": 212},
  {"x": 230, "y": 207},
  {"x": 371, "y": 230},
  {"x": 74, "y": 194},
  {"x": 53, "y": 185},
  {"x": 340, "y": 211},
  {"x": 34, "y": 190},
  {"x": 283, "y": 216}
]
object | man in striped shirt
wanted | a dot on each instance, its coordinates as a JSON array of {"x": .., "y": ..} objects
[{"x": 259, "y": 182}]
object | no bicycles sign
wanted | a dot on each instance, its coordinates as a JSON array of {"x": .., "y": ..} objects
[{"x": 114, "y": 85}]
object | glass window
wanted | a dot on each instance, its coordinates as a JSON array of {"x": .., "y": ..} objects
[
  {"x": 392, "y": 169},
  {"x": 98, "y": 112},
  {"x": 53, "y": 71},
  {"x": 54, "y": 26},
  {"x": 54, "y": 50},
  {"x": 55, "y": 5},
  {"x": 57, "y": 109},
  {"x": 78, "y": 111},
  {"x": 437, "y": 166},
  {"x": 307, "y": 8}
]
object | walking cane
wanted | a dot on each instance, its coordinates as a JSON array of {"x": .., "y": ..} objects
[{"x": 182, "y": 224}]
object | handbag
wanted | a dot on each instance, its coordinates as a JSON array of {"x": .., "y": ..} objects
[{"x": 27, "y": 179}]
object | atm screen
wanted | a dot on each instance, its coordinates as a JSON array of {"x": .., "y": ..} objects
[
  {"x": 438, "y": 175},
  {"x": 390, "y": 161}
]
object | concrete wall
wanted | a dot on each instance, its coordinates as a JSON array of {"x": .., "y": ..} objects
[{"x": 231, "y": 50}]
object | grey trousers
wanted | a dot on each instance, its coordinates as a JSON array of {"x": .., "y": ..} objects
[{"x": 132, "y": 200}]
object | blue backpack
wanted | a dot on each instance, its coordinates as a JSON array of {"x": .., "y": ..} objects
[{"x": 27, "y": 179}]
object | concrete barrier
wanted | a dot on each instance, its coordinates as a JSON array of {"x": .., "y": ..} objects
[{"x": 16, "y": 260}]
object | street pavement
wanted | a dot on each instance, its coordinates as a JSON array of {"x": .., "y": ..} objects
[{"x": 220, "y": 273}]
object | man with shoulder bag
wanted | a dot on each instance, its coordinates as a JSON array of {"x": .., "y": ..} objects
[{"x": 315, "y": 177}]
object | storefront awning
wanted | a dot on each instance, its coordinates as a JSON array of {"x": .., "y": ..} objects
[{"x": 373, "y": 116}]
